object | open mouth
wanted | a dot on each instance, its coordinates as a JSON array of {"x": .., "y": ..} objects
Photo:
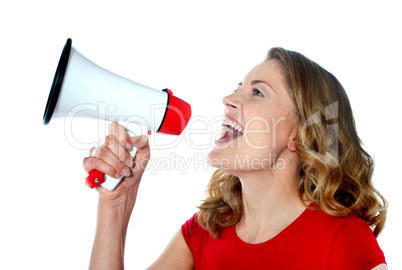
[
  {"x": 231, "y": 130},
  {"x": 232, "y": 127}
]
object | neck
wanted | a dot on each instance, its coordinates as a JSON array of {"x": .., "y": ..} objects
[{"x": 271, "y": 202}]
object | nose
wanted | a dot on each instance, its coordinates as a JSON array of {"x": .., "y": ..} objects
[{"x": 231, "y": 101}]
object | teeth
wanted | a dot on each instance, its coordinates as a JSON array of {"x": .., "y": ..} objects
[
  {"x": 227, "y": 123},
  {"x": 230, "y": 130}
]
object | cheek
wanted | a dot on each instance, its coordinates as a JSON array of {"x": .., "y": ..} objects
[
  {"x": 263, "y": 134},
  {"x": 258, "y": 133}
]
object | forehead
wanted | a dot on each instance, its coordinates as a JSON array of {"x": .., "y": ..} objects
[{"x": 270, "y": 69}]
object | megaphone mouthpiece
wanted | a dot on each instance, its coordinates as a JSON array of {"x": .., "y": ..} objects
[{"x": 177, "y": 115}]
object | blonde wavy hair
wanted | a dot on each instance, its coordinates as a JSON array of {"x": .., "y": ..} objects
[{"x": 336, "y": 171}]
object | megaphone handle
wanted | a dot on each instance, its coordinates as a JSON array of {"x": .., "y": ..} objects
[{"x": 96, "y": 178}]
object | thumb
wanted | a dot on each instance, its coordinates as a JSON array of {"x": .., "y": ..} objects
[
  {"x": 140, "y": 142},
  {"x": 143, "y": 151}
]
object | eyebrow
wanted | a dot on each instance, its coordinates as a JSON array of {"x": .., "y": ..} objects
[{"x": 258, "y": 81}]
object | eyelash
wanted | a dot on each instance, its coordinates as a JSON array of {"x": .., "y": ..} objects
[
  {"x": 259, "y": 92},
  {"x": 254, "y": 92}
]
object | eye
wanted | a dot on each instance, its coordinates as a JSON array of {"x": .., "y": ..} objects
[{"x": 257, "y": 92}]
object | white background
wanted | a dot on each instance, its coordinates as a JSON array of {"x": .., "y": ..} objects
[{"x": 200, "y": 50}]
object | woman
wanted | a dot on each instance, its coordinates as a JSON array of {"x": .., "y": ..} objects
[{"x": 292, "y": 190}]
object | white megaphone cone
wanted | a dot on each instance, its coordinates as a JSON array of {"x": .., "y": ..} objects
[{"x": 80, "y": 85}]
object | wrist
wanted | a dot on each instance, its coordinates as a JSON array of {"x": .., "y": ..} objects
[
  {"x": 121, "y": 197},
  {"x": 118, "y": 209}
]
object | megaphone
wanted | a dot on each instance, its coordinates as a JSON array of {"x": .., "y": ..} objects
[{"x": 79, "y": 83}]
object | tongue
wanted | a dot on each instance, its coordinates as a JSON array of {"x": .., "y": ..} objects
[{"x": 226, "y": 136}]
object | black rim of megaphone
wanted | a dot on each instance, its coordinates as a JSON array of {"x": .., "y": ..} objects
[{"x": 57, "y": 82}]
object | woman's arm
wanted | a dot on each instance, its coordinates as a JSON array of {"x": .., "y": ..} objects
[
  {"x": 177, "y": 255},
  {"x": 115, "y": 207},
  {"x": 108, "y": 248},
  {"x": 381, "y": 267},
  {"x": 111, "y": 229}
]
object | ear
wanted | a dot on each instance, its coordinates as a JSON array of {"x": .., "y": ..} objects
[{"x": 291, "y": 143}]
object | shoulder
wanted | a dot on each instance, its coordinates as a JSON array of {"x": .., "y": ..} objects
[
  {"x": 348, "y": 242},
  {"x": 193, "y": 232},
  {"x": 354, "y": 245},
  {"x": 339, "y": 226},
  {"x": 191, "y": 225},
  {"x": 354, "y": 230}
]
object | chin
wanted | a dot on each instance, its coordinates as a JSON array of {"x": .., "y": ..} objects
[
  {"x": 217, "y": 159},
  {"x": 224, "y": 161}
]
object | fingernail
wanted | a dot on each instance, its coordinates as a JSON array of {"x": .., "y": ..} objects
[
  {"x": 129, "y": 146},
  {"x": 126, "y": 172},
  {"x": 117, "y": 175},
  {"x": 129, "y": 162}
]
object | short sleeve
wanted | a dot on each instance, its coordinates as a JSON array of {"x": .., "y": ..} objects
[
  {"x": 355, "y": 247},
  {"x": 189, "y": 230}
]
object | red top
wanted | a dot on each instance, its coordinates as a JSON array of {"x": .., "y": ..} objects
[{"x": 314, "y": 240}]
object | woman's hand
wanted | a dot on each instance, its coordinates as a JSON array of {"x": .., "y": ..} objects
[{"x": 113, "y": 158}]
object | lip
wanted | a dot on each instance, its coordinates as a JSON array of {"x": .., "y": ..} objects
[{"x": 231, "y": 118}]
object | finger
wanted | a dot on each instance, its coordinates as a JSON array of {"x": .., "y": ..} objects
[
  {"x": 106, "y": 155},
  {"x": 91, "y": 152},
  {"x": 120, "y": 134},
  {"x": 92, "y": 163},
  {"x": 119, "y": 150}
]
